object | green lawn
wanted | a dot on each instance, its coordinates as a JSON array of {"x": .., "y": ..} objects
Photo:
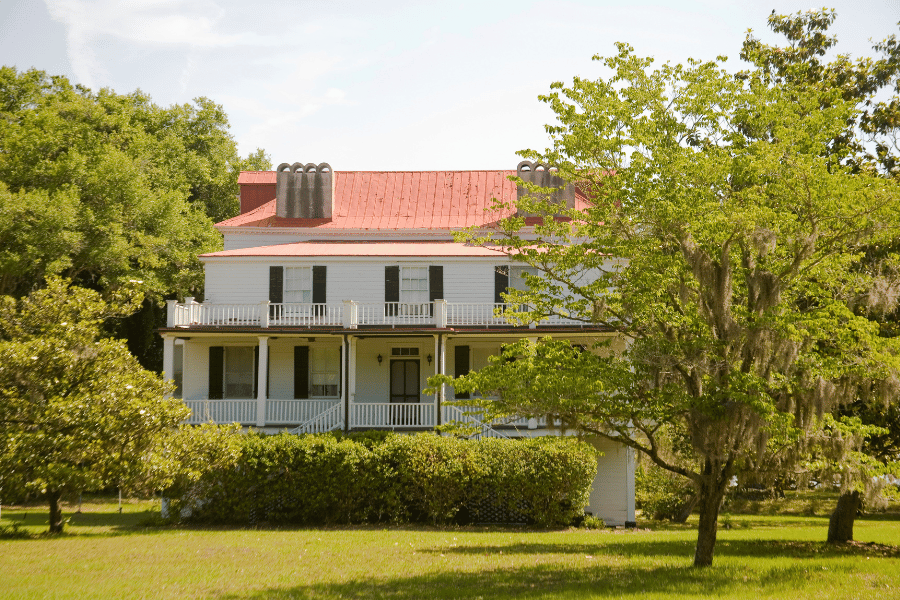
[{"x": 105, "y": 554}]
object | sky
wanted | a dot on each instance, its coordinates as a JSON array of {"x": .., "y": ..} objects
[{"x": 387, "y": 84}]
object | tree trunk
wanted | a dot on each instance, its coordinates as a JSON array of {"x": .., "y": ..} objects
[
  {"x": 686, "y": 510},
  {"x": 56, "y": 520},
  {"x": 709, "y": 501},
  {"x": 840, "y": 526}
]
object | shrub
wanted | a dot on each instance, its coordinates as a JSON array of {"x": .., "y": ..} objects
[
  {"x": 329, "y": 479},
  {"x": 663, "y": 495}
]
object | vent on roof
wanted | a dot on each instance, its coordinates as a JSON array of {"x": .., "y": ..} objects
[
  {"x": 546, "y": 177},
  {"x": 304, "y": 191}
]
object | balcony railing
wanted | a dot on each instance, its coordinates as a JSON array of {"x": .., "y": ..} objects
[
  {"x": 316, "y": 416},
  {"x": 350, "y": 314}
]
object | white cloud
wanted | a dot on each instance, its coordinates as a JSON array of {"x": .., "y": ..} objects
[{"x": 179, "y": 24}]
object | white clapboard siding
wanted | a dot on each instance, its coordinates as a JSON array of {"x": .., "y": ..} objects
[
  {"x": 239, "y": 241},
  {"x": 246, "y": 281},
  {"x": 195, "y": 382},
  {"x": 236, "y": 282},
  {"x": 612, "y": 495},
  {"x": 351, "y": 280}
]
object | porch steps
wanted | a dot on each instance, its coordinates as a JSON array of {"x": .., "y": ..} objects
[{"x": 327, "y": 420}]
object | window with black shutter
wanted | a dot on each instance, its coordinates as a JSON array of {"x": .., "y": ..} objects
[
  {"x": 501, "y": 283},
  {"x": 301, "y": 372},
  {"x": 461, "y": 366},
  {"x": 391, "y": 289},
  {"x": 435, "y": 285}
]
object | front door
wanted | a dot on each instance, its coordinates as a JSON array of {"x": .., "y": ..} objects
[{"x": 405, "y": 390}]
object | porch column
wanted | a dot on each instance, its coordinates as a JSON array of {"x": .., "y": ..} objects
[
  {"x": 440, "y": 369},
  {"x": 351, "y": 387},
  {"x": 191, "y": 311},
  {"x": 170, "y": 312},
  {"x": 440, "y": 314},
  {"x": 261, "y": 380},
  {"x": 168, "y": 359},
  {"x": 345, "y": 381}
]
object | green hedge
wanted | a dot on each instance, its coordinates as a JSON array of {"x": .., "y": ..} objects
[{"x": 424, "y": 478}]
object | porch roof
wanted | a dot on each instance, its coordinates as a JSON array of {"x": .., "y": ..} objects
[{"x": 373, "y": 249}]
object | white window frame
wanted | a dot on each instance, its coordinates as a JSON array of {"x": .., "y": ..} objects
[
  {"x": 298, "y": 285},
  {"x": 238, "y": 378},
  {"x": 324, "y": 372},
  {"x": 413, "y": 295}
]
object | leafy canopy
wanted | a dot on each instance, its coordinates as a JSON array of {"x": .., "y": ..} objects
[
  {"x": 718, "y": 246},
  {"x": 103, "y": 187},
  {"x": 77, "y": 411}
]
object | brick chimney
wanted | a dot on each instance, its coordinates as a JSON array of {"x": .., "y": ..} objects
[{"x": 304, "y": 191}]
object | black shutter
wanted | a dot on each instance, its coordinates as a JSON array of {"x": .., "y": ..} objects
[
  {"x": 276, "y": 284},
  {"x": 318, "y": 282},
  {"x": 216, "y": 371},
  {"x": 391, "y": 288},
  {"x": 256, "y": 371},
  {"x": 501, "y": 283},
  {"x": 435, "y": 285},
  {"x": 319, "y": 278},
  {"x": 461, "y": 366},
  {"x": 301, "y": 372},
  {"x": 276, "y": 290}
]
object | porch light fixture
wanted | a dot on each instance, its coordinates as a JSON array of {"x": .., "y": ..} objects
[
  {"x": 380, "y": 359},
  {"x": 429, "y": 359}
]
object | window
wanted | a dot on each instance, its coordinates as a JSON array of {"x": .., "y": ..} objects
[
  {"x": 298, "y": 286},
  {"x": 414, "y": 288},
  {"x": 324, "y": 371},
  {"x": 404, "y": 351},
  {"x": 517, "y": 279},
  {"x": 238, "y": 371},
  {"x": 178, "y": 368}
]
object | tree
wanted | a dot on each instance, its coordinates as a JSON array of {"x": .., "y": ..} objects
[
  {"x": 77, "y": 411},
  {"x": 103, "y": 188},
  {"x": 867, "y": 143},
  {"x": 717, "y": 248}
]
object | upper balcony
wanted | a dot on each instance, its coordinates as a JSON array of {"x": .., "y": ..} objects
[{"x": 351, "y": 315}]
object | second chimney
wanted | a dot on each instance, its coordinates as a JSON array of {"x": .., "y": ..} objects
[{"x": 304, "y": 191}]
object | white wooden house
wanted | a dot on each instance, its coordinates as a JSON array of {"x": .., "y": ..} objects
[{"x": 339, "y": 293}]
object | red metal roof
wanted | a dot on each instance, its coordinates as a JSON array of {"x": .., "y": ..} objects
[
  {"x": 396, "y": 249},
  {"x": 256, "y": 178},
  {"x": 395, "y": 200}
]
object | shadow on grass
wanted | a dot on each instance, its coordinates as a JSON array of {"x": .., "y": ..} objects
[
  {"x": 550, "y": 581},
  {"x": 83, "y": 524},
  {"x": 675, "y": 548}
]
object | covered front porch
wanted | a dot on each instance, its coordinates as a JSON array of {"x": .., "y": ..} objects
[{"x": 333, "y": 380}]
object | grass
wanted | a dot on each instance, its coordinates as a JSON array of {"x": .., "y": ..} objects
[{"x": 105, "y": 554}]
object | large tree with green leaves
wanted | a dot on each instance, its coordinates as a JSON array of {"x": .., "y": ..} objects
[
  {"x": 719, "y": 249},
  {"x": 102, "y": 188},
  {"x": 868, "y": 144},
  {"x": 77, "y": 411}
]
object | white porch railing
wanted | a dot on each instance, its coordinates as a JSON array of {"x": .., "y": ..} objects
[
  {"x": 347, "y": 315},
  {"x": 305, "y": 315},
  {"x": 475, "y": 313},
  {"x": 328, "y": 420},
  {"x": 392, "y": 415},
  {"x": 317, "y": 416},
  {"x": 290, "y": 412},
  {"x": 224, "y": 314},
  {"x": 396, "y": 313},
  {"x": 222, "y": 411},
  {"x": 458, "y": 414}
]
